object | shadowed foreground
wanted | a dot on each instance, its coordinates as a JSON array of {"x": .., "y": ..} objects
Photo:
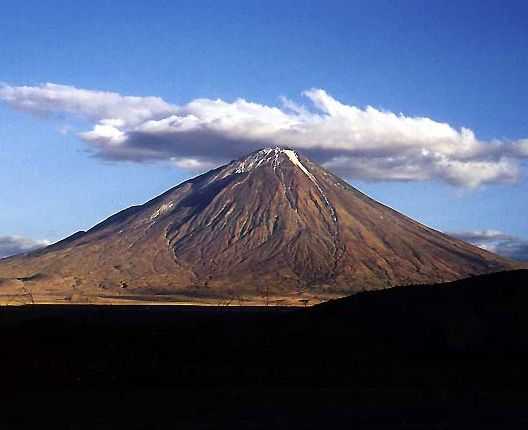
[{"x": 449, "y": 355}]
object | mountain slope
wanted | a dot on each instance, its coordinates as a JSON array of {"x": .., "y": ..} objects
[{"x": 272, "y": 227}]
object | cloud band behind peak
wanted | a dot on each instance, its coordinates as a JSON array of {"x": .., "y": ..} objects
[{"x": 367, "y": 143}]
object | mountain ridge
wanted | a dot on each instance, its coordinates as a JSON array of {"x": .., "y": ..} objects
[{"x": 270, "y": 227}]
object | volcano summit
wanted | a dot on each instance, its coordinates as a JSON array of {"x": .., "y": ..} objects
[{"x": 272, "y": 227}]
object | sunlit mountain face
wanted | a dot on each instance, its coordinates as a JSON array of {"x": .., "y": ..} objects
[{"x": 270, "y": 228}]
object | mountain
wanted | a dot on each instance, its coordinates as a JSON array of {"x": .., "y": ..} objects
[{"x": 270, "y": 228}]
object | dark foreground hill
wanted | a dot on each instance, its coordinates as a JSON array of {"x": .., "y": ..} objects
[
  {"x": 387, "y": 359},
  {"x": 271, "y": 227}
]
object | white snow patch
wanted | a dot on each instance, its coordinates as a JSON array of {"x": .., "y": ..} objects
[
  {"x": 292, "y": 155},
  {"x": 229, "y": 212},
  {"x": 264, "y": 156},
  {"x": 164, "y": 208}
]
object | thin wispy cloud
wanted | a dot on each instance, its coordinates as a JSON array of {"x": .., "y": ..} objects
[
  {"x": 13, "y": 245},
  {"x": 360, "y": 143},
  {"x": 497, "y": 242}
]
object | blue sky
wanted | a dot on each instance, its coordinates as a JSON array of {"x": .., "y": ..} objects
[{"x": 462, "y": 63}]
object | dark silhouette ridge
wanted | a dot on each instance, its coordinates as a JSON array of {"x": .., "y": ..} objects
[
  {"x": 388, "y": 358},
  {"x": 483, "y": 316}
]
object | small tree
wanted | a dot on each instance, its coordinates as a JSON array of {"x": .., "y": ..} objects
[{"x": 304, "y": 302}]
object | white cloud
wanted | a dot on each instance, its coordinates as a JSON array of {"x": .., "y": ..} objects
[
  {"x": 521, "y": 147},
  {"x": 497, "y": 242},
  {"x": 360, "y": 143},
  {"x": 192, "y": 164},
  {"x": 12, "y": 245},
  {"x": 94, "y": 105}
]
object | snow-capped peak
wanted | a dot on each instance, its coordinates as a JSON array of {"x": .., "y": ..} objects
[
  {"x": 267, "y": 156},
  {"x": 275, "y": 156}
]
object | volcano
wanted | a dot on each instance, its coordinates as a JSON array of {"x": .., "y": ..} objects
[{"x": 270, "y": 228}]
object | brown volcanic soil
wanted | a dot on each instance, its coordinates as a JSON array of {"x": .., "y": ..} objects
[{"x": 271, "y": 228}]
